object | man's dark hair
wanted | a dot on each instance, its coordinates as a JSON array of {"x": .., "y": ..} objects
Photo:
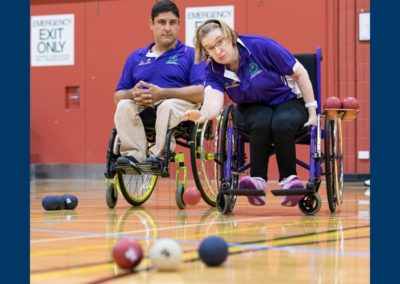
[{"x": 164, "y": 6}]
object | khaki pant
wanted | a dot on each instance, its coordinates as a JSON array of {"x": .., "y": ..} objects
[{"x": 131, "y": 132}]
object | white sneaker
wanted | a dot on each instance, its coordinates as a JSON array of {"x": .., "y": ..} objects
[{"x": 367, "y": 182}]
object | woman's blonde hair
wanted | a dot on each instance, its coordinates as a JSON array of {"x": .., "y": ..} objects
[{"x": 204, "y": 29}]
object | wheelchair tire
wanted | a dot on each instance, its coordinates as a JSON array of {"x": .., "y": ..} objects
[
  {"x": 224, "y": 203},
  {"x": 180, "y": 188},
  {"x": 111, "y": 195},
  {"x": 202, "y": 161},
  {"x": 136, "y": 189},
  {"x": 310, "y": 204},
  {"x": 233, "y": 181},
  {"x": 334, "y": 163},
  {"x": 112, "y": 154}
]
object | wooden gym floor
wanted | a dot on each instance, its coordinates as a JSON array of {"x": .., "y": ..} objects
[{"x": 268, "y": 244}]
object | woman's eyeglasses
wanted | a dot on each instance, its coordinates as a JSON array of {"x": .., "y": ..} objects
[{"x": 219, "y": 44}]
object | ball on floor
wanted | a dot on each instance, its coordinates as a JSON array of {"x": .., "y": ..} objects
[
  {"x": 166, "y": 254},
  {"x": 213, "y": 250},
  {"x": 51, "y": 202},
  {"x": 127, "y": 253},
  {"x": 70, "y": 201},
  {"x": 191, "y": 196},
  {"x": 60, "y": 202}
]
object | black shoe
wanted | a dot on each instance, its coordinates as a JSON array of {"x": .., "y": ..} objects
[
  {"x": 127, "y": 165},
  {"x": 127, "y": 160},
  {"x": 152, "y": 163}
]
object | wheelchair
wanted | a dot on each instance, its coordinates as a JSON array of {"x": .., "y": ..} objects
[
  {"x": 231, "y": 161},
  {"x": 137, "y": 185}
]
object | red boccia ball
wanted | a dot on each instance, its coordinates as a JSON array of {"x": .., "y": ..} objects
[
  {"x": 127, "y": 253},
  {"x": 191, "y": 196},
  {"x": 350, "y": 103},
  {"x": 332, "y": 102}
]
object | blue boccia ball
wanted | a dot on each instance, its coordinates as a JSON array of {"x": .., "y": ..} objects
[
  {"x": 50, "y": 202},
  {"x": 213, "y": 250},
  {"x": 70, "y": 201},
  {"x": 60, "y": 202}
]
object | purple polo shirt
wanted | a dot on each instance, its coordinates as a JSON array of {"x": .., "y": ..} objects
[
  {"x": 263, "y": 66},
  {"x": 175, "y": 68}
]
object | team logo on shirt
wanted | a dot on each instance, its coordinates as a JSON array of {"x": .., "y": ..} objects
[
  {"x": 254, "y": 69},
  {"x": 173, "y": 59},
  {"x": 145, "y": 62},
  {"x": 231, "y": 85}
]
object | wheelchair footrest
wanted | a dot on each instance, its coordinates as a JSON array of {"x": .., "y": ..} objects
[
  {"x": 244, "y": 192},
  {"x": 128, "y": 170},
  {"x": 151, "y": 171},
  {"x": 293, "y": 191}
]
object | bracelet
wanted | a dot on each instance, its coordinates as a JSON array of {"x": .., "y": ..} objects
[{"x": 312, "y": 104}]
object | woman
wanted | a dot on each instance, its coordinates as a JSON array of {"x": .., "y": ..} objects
[{"x": 273, "y": 93}]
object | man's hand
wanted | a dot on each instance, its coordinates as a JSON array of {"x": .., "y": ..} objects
[
  {"x": 127, "y": 94},
  {"x": 137, "y": 87},
  {"x": 146, "y": 94}
]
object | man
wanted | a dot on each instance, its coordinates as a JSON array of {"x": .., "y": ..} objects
[{"x": 162, "y": 76}]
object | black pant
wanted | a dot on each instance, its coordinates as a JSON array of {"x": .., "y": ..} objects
[{"x": 269, "y": 125}]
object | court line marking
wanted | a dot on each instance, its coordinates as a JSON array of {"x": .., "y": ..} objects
[
  {"x": 190, "y": 256},
  {"x": 83, "y": 235}
]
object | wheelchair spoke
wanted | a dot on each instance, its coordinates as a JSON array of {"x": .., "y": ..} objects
[
  {"x": 136, "y": 188},
  {"x": 334, "y": 162},
  {"x": 202, "y": 159},
  {"x": 207, "y": 158},
  {"x": 338, "y": 150},
  {"x": 227, "y": 150}
]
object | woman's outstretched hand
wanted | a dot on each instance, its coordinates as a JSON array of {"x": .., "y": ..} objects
[{"x": 194, "y": 115}]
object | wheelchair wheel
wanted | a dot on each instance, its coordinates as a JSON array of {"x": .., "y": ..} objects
[
  {"x": 310, "y": 204},
  {"x": 334, "y": 163},
  {"x": 136, "y": 189},
  {"x": 227, "y": 182},
  {"x": 225, "y": 203},
  {"x": 179, "y": 196},
  {"x": 202, "y": 160},
  {"x": 111, "y": 195},
  {"x": 112, "y": 154}
]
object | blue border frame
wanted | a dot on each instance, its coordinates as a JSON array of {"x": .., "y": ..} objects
[
  {"x": 15, "y": 138},
  {"x": 385, "y": 99}
]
